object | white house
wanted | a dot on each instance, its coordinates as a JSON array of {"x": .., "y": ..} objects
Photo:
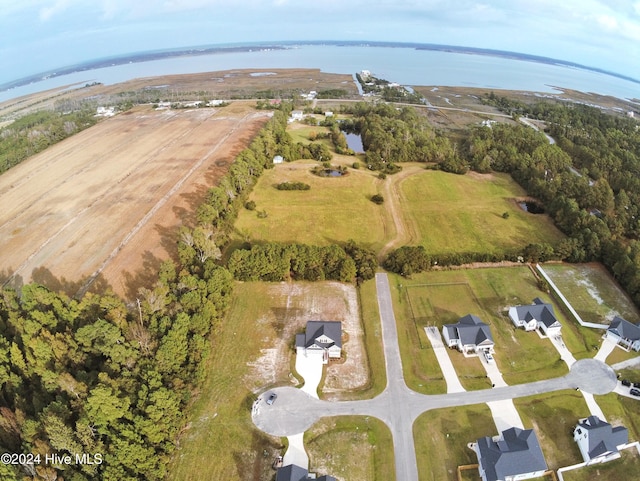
[
  {"x": 514, "y": 456},
  {"x": 321, "y": 338},
  {"x": 297, "y": 115},
  {"x": 470, "y": 335},
  {"x": 538, "y": 315},
  {"x": 623, "y": 332},
  {"x": 278, "y": 159},
  {"x": 598, "y": 440}
]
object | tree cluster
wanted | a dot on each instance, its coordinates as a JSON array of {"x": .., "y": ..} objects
[
  {"x": 35, "y": 132},
  {"x": 293, "y": 186},
  {"x": 279, "y": 262}
]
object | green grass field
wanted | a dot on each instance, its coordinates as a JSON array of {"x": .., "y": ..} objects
[
  {"x": 441, "y": 437},
  {"x": 592, "y": 292},
  {"x": 442, "y": 297},
  {"x": 463, "y": 213},
  {"x": 354, "y": 448},
  {"x": 553, "y": 417},
  {"x": 336, "y": 209}
]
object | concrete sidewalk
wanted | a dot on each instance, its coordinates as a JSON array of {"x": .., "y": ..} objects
[
  {"x": 564, "y": 352},
  {"x": 505, "y": 415},
  {"x": 606, "y": 348},
  {"x": 594, "y": 409},
  {"x": 448, "y": 371}
]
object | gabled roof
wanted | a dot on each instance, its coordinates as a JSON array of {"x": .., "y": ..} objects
[
  {"x": 518, "y": 452},
  {"x": 293, "y": 472},
  {"x": 624, "y": 329},
  {"x": 602, "y": 437},
  {"x": 471, "y": 331},
  {"x": 315, "y": 329},
  {"x": 540, "y": 311}
]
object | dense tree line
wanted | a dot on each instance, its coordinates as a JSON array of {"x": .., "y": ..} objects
[
  {"x": 35, "y": 132},
  {"x": 293, "y": 186},
  {"x": 279, "y": 262}
]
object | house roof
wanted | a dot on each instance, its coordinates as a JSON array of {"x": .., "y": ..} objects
[
  {"x": 471, "y": 331},
  {"x": 517, "y": 452},
  {"x": 602, "y": 437},
  {"x": 540, "y": 311},
  {"x": 316, "y": 329},
  {"x": 293, "y": 472},
  {"x": 624, "y": 329}
]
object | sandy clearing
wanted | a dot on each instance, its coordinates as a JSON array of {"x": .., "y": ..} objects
[
  {"x": 77, "y": 205},
  {"x": 299, "y": 302}
]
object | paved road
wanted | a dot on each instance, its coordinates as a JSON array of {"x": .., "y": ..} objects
[{"x": 295, "y": 411}]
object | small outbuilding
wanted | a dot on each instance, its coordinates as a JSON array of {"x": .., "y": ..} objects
[{"x": 278, "y": 159}]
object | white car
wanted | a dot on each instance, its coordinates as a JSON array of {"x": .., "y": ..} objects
[{"x": 488, "y": 356}]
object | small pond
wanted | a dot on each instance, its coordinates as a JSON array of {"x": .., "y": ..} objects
[
  {"x": 531, "y": 207},
  {"x": 330, "y": 173},
  {"x": 354, "y": 142}
]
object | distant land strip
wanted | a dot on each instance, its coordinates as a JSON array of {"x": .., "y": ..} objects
[{"x": 283, "y": 45}]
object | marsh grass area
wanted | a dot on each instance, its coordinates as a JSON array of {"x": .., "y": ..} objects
[
  {"x": 352, "y": 448},
  {"x": 464, "y": 213},
  {"x": 441, "y": 297},
  {"x": 441, "y": 437},
  {"x": 592, "y": 292}
]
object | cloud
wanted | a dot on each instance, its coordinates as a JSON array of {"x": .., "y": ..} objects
[{"x": 47, "y": 12}]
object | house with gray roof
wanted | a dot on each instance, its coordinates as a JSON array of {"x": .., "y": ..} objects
[
  {"x": 625, "y": 333},
  {"x": 321, "y": 338},
  {"x": 470, "y": 335},
  {"x": 598, "y": 440},
  {"x": 539, "y": 315},
  {"x": 293, "y": 472},
  {"x": 515, "y": 455}
]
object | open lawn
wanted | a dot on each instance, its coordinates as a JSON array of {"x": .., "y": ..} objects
[
  {"x": 441, "y": 437},
  {"x": 252, "y": 351},
  {"x": 335, "y": 209},
  {"x": 441, "y": 297},
  {"x": 553, "y": 417},
  {"x": 592, "y": 292},
  {"x": 351, "y": 448},
  {"x": 627, "y": 467},
  {"x": 463, "y": 213}
]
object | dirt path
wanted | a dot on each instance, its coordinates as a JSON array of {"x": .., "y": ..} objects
[{"x": 406, "y": 231}]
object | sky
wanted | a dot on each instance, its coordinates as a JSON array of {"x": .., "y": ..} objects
[{"x": 41, "y": 35}]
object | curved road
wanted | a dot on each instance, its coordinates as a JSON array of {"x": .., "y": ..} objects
[{"x": 398, "y": 406}]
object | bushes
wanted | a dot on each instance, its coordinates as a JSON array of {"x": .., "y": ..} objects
[
  {"x": 377, "y": 199},
  {"x": 293, "y": 186}
]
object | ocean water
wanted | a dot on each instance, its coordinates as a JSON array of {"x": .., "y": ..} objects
[{"x": 407, "y": 66}]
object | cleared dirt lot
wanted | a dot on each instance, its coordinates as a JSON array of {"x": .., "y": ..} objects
[{"x": 106, "y": 203}]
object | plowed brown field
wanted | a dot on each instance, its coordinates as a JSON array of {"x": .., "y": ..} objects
[{"x": 103, "y": 206}]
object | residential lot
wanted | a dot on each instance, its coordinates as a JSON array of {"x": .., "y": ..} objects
[
  {"x": 442, "y": 297},
  {"x": 109, "y": 200},
  {"x": 621, "y": 469},
  {"x": 592, "y": 292}
]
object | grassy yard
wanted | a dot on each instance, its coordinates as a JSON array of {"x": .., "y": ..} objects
[
  {"x": 442, "y": 297},
  {"x": 441, "y": 437},
  {"x": 325, "y": 214},
  {"x": 553, "y": 416},
  {"x": 617, "y": 470},
  {"x": 463, "y": 213},
  {"x": 222, "y": 442},
  {"x": 353, "y": 448},
  {"x": 620, "y": 410},
  {"x": 592, "y": 292},
  {"x": 252, "y": 351}
]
